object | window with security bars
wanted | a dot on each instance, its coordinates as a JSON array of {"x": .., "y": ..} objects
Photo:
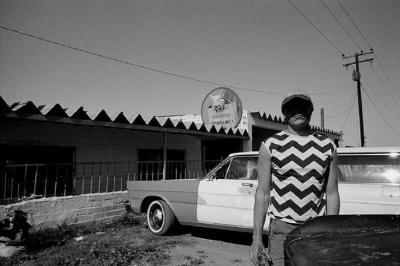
[
  {"x": 150, "y": 164},
  {"x": 29, "y": 170}
]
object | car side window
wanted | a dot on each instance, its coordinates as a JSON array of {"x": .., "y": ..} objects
[
  {"x": 243, "y": 168},
  {"x": 221, "y": 173},
  {"x": 379, "y": 168}
]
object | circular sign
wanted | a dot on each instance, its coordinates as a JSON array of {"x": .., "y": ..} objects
[{"x": 222, "y": 107}]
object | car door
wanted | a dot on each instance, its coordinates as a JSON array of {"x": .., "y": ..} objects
[
  {"x": 227, "y": 199},
  {"x": 369, "y": 183}
]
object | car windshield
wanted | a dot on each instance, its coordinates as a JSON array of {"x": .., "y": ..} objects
[{"x": 369, "y": 168}]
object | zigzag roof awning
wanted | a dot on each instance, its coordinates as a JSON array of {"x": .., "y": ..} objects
[
  {"x": 279, "y": 120},
  {"x": 60, "y": 114}
]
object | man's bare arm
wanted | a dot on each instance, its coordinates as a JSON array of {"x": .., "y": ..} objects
[
  {"x": 261, "y": 201},
  {"x": 332, "y": 191}
]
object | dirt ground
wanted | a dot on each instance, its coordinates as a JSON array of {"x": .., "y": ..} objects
[
  {"x": 130, "y": 242},
  {"x": 211, "y": 247}
]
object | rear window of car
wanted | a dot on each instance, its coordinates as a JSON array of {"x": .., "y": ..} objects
[{"x": 369, "y": 168}]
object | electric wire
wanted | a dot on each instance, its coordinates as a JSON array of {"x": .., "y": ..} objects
[
  {"x": 384, "y": 73},
  {"x": 341, "y": 25},
  {"x": 370, "y": 46},
  {"x": 383, "y": 83},
  {"x": 134, "y": 64},
  {"x": 389, "y": 106},
  {"x": 326, "y": 92},
  {"x": 348, "y": 114},
  {"x": 379, "y": 112},
  {"x": 315, "y": 27},
  {"x": 354, "y": 24},
  {"x": 149, "y": 68},
  {"x": 349, "y": 106}
]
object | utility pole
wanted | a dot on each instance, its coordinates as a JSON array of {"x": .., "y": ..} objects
[
  {"x": 357, "y": 77},
  {"x": 322, "y": 118}
]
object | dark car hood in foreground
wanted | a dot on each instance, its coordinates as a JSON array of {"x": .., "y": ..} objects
[{"x": 345, "y": 240}]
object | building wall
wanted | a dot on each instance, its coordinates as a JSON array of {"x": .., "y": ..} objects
[
  {"x": 116, "y": 149},
  {"x": 95, "y": 144}
]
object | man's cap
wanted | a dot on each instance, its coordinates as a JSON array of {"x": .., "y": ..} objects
[{"x": 298, "y": 94}]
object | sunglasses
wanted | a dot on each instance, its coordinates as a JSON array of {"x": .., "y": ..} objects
[{"x": 298, "y": 106}]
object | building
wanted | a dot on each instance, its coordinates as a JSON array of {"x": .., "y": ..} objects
[{"x": 51, "y": 151}]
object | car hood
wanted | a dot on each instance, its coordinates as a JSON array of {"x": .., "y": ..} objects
[{"x": 345, "y": 240}]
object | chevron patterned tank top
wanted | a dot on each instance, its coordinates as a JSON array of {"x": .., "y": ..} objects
[{"x": 300, "y": 168}]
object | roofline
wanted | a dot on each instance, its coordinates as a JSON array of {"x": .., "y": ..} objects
[
  {"x": 279, "y": 120},
  {"x": 160, "y": 129},
  {"x": 57, "y": 114}
]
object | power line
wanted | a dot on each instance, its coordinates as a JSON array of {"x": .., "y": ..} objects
[
  {"x": 344, "y": 112},
  {"x": 315, "y": 27},
  {"x": 379, "y": 112},
  {"x": 326, "y": 92},
  {"x": 384, "y": 73},
  {"x": 366, "y": 41},
  {"x": 354, "y": 24},
  {"x": 348, "y": 114},
  {"x": 133, "y": 64},
  {"x": 383, "y": 83},
  {"x": 389, "y": 106},
  {"x": 340, "y": 24}
]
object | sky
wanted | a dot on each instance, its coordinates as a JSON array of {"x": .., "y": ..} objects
[{"x": 261, "y": 49}]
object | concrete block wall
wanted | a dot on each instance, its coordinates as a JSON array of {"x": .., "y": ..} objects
[{"x": 54, "y": 211}]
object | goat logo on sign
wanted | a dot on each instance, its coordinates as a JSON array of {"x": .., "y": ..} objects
[
  {"x": 222, "y": 107},
  {"x": 218, "y": 103}
]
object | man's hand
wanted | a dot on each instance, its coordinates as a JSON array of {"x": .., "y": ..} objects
[{"x": 259, "y": 254}]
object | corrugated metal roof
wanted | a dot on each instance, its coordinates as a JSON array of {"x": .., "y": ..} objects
[{"x": 59, "y": 114}]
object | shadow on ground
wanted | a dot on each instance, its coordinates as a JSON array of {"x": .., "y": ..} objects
[{"x": 234, "y": 237}]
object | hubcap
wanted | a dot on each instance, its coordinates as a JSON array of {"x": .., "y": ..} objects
[{"x": 156, "y": 218}]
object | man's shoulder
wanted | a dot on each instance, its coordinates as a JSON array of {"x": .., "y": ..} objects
[
  {"x": 281, "y": 135},
  {"x": 276, "y": 138},
  {"x": 322, "y": 137}
]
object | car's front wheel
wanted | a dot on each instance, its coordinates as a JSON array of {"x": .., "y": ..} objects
[{"x": 160, "y": 217}]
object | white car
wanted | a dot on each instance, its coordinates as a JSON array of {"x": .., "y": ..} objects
[
  {"x": 370, "y": 180},
  {"x": 369, "y": 183}
]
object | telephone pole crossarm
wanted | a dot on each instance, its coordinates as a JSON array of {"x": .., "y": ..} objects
[{"x": 361, "y": 61}]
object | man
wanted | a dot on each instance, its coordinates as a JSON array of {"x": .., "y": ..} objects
[{"x": 297, "y": 179}]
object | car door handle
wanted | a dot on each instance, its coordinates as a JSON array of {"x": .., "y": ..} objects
[{"x": 247, "y": 184}]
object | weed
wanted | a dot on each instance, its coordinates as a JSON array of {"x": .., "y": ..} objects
[{"x": 124, "y": 242}]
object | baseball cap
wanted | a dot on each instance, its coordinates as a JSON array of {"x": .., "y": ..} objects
[{"x": 297, "y": 94}]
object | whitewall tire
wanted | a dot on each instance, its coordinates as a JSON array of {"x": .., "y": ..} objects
[{"x": 160, "y": 217}]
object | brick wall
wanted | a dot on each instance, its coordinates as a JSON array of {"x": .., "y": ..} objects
[{"x": 50, "y": 212}]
